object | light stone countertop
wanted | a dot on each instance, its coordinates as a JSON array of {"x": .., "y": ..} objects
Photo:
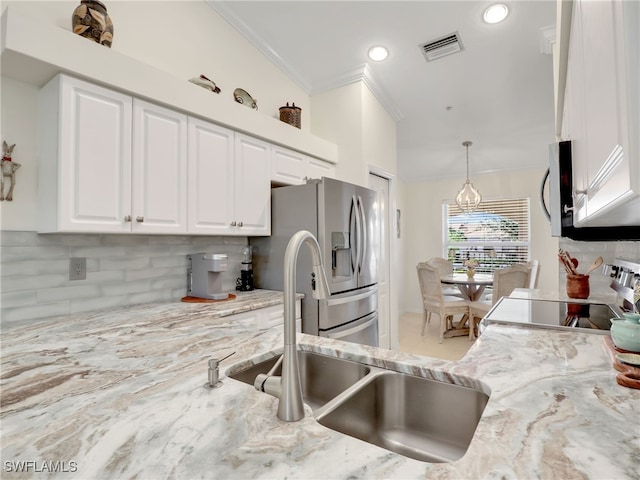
[{"x": 119, "y": 394}]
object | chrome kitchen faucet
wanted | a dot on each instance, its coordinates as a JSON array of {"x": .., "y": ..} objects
[{"x": 287, "y": 388}]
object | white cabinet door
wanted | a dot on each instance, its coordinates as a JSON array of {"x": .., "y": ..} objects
[
  {"x": 603, "y": 78},
  {"x": 84, "y": 158},
  {"x": 318, "y": 168},
  {"x": 294, "y": 168},
  {"x": 252, "y": 213},
  {"x": 211, "y": 162},
  {"x": 287, "y": 167},
  {"x": 159, "y": 170}
]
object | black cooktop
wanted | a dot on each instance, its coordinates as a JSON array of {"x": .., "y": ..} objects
[{"x": 552, "y": 314}]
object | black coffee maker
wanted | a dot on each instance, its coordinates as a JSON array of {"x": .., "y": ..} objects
[{"x": 245, "y": 282}]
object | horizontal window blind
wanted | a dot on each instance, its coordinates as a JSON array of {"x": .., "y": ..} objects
[{"x": 496, "y": 234}]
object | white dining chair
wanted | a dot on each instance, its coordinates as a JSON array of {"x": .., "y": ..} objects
[
  {"x": 445, "y": 267},
  {"x": 434, "y": 301},
  {"x": 505, "y": 280}
]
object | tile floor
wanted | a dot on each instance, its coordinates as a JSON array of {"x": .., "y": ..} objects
[{"x": 411, "y": 340}]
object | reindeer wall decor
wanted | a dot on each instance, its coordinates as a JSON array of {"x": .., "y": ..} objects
[{"x": 9, "y": 168}]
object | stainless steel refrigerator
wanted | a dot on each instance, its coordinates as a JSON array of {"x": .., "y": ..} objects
[{"x": 341, "y": 216}]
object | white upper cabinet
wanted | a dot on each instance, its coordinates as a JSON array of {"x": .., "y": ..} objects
[
  {"x": 109, "y": 163},
  {"x": 316, "y": 168},
  {"x": 293, "y": 168},
  {"x": 159, "y": 170},
  {"x": 287, "y": 166},
  {"x": 229, "y": 189},
  {"x": 601, "y": 115},
  {"x": 84, "y": 150},
  {"x": 252, "y": 196},
  {"x": 211, "y": 162}
]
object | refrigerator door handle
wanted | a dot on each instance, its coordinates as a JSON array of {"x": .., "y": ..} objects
[
  {"x": 362, "y": 248},
  {"x": 355, "y": 265},
  {"x": 334, "y": 300},
  {"x": 351, "y": 331}
]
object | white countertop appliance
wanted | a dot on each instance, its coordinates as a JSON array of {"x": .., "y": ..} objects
[{"x": 204, "y": 275}]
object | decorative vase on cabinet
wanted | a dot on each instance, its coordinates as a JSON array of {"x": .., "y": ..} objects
[{"x": 91, "y": 20}]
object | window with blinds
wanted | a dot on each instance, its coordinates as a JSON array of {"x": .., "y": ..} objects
[{"x": 496, "y": 234}]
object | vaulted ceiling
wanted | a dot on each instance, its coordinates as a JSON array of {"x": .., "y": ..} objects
[{"x": 496, "y": 92}]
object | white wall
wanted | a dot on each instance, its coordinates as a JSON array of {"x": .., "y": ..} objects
[
  {"x": 379, "y": 134},
  {"x": 422, "y": 225},
  {"x": 186, "y": 38},
  {"x": 337, "y": 117}
]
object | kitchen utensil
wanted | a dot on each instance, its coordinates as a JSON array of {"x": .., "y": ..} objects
[
  {"x": 629, "y": 375},
  {"x": 573, "y": 262},
  {"x": 565, "y": 259},
  {"x": 596, "y": 263}
]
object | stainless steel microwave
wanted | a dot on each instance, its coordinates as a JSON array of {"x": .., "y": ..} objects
[{"x": 560, "y": 209}]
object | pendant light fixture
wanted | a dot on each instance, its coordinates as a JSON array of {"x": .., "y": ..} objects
[{"x": 468, "y": 197}]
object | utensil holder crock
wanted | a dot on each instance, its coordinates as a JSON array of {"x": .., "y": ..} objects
[{"x": 578, "y": 286}]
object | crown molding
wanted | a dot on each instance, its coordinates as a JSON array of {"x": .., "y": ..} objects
[
  {"x": 361, "y": 73},
  {"x": 222, "y": 9}
]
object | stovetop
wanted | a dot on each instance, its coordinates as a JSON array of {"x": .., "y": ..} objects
[{"x": 594, "y": 317}]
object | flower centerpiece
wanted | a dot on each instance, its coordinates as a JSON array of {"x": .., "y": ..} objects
[{"x": 471, "y": 264}]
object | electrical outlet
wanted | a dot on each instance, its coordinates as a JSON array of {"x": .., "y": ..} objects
[{"x": 78, "y": 268}]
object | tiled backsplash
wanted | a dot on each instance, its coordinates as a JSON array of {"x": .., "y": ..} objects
[
  {"x": 587, "y": 252},
  {"x": 121, "y": 270}
]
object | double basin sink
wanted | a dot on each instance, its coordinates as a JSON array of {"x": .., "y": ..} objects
[{"x": 416, "y": 417}]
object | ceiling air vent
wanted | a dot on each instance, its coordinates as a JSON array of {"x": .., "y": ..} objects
[{"x": 442, "y": 47}]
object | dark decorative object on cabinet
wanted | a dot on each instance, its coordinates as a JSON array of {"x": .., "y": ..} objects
[
  {"x": 91, "y": 20},
  {"x": 291, "y": 114}
]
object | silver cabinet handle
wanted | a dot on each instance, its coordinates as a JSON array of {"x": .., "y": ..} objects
[
  {"x": 233, "y": 224},
  {"x": 139, "y": 219},
  {"x": 127, "y": 218},
  {"x": 239, "y": 224}
]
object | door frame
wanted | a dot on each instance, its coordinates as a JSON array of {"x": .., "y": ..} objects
[{"x": 393, "y": 242}]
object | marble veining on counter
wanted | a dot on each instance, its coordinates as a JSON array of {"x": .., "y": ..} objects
[{"x": 120, "y": 394}]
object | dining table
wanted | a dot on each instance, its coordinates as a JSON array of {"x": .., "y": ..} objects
[{"x": 471, "y": 287}]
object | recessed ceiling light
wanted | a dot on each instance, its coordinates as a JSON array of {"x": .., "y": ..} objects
[
  {"x": 377, "y": 54},
  {"x": 496, "y": 13}
]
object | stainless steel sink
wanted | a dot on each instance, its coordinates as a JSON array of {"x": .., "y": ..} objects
[
  {"x": 323, "y": 377},
  {"x": 415, "y": 417}
]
